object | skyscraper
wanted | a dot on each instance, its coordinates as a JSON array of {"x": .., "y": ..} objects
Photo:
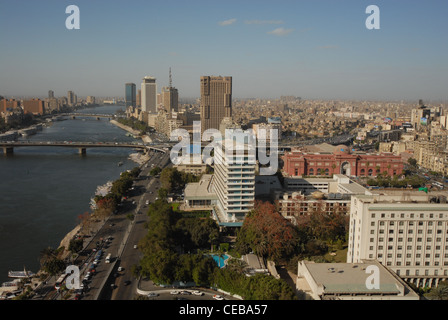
[
  {"x": 130, "y": 95},
  {"x": 139, "y": 98},
  {"x": 170, "y": 97},
  {"x": 149, "y": 95},
  {"x": 216, "y": 101},
  {"x": 50, "y": 94},
  {"x": 71, "y": 98}
]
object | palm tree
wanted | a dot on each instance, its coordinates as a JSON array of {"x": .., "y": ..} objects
[
  {"x": 438, "y": 293},
  {"x": 237, "y": 265}
]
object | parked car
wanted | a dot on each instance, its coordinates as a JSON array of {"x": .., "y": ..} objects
[
  {"x": 198, "y": 293},
  {"x": 218, "y": 297},
  {"x": 153, "y": 294}
]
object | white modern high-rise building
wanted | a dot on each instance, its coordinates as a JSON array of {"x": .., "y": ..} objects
[
  {"x": 234, "y": 177},
  {"x": 149, "y": 95},
  {"x": 405, "y": 231}
]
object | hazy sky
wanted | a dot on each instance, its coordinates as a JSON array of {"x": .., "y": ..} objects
[{"x": 311, "y": 48}]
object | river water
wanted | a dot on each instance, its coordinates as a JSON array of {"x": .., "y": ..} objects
[{"x": 44, "y": 189}]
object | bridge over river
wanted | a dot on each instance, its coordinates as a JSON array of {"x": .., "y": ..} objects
[{"x": 8, "y": 147}]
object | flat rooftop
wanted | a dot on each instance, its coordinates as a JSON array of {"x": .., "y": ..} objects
[
  {"x": 201, "y": 190},
  {"x": 350, "y": 278},
  {"x": 405, "y": 196}
]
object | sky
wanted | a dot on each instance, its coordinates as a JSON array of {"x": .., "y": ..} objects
[{"x": 314, "y": 49}]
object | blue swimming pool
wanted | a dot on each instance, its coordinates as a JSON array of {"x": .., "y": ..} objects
[{"x": 220, "y": 261}]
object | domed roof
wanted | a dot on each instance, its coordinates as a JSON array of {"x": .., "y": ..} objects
[{"x": 341, "y": 149}]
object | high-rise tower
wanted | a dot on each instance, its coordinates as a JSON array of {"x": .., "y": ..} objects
[
  {"x": 216, "y": 101},
  {"x": 149, "y": 95},
  {"x": 170, "y": 97},
  {"x": 130, "y": 95}
]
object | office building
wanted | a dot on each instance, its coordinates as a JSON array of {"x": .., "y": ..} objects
[
  {"x": 216, "y": 101},
  {"x": 405, "y": 231},
  {"x": 139, "y": 98},
  {"x": 130, "y": 95},
  {"x": 8, "y": 105},
  {"x": 170, "y": 99},
  {"x": 149, "y": 95},
  {"x": 33, "y": 106},
  {"x": 71, "y": 98},
  {"x": 50, "y": 94}
]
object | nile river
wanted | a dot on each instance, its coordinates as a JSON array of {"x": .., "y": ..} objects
[{"x": 44, "y": 189}]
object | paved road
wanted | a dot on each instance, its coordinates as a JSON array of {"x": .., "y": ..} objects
[{"x": 145, "y": 190}]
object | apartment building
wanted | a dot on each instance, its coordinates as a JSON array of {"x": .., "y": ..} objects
[
  {"x": 234, "y": 180},
  {"x": 405, "y": 231}
]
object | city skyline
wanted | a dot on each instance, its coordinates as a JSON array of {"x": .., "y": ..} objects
[{"x": 300, "y": 48}]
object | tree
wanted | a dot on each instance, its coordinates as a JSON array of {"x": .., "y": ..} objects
[
  {"x": 47, "y": 254},
  {"x": 105, "y": 207},
  {"x": 155, "y": 171},
  {"x": 412, "y": 162},
  {"x": 438, "y": 293},
  {"x": 267, "y": 233},
  {"x": 54, "y": 266},
  {"x": 75, "y": 245}
]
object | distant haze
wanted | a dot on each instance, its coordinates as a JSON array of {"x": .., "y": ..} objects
[{"x": 311, "y": 49}]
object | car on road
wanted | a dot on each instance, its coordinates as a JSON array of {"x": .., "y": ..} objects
[
  {"x": 153, "y": 294},
  {"x": 185, "y": 292},
  {"x": 135, "y": 246},
  {"x": 174, "y": 292},
  {"x": 147, "y": 202},
  {"x": 198, "y": 293},
  {"x": 127, "y": 282},
  {"x": 218, "y": 297},
  {"x": 120, "y": 268}
]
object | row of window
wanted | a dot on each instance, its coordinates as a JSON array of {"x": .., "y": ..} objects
[
  {"x": 410, "y": 215},
  {"x": 410, "y": 231},
  {"x": 417, "y": 272},
  {"x": 417, "y": 263},
  {"x": 409, "y": 255},
  {"x": 418, "y": 247},
  {"x": 408, "y": 239}
]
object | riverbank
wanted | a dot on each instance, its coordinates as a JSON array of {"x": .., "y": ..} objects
[{"x": 145, "y": 138}]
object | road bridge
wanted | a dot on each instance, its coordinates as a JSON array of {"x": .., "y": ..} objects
[{"x": 8, "y": 147}]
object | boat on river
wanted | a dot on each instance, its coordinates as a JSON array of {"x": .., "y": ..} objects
[{"x": 20, "y": 274}]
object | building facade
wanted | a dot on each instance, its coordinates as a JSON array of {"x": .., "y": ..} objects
[
  {"x": 234, "y": 181},
  {"x": 405, "y": 231},
  {"x": 216, "y": 101},
  {"x": 341, "y": 161},
  {"x": 170, "y": 99},
  {"x": 130, "y": 95},
  {"x": 149, "y": 95},
  {"x": 33, "y": 106}
]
